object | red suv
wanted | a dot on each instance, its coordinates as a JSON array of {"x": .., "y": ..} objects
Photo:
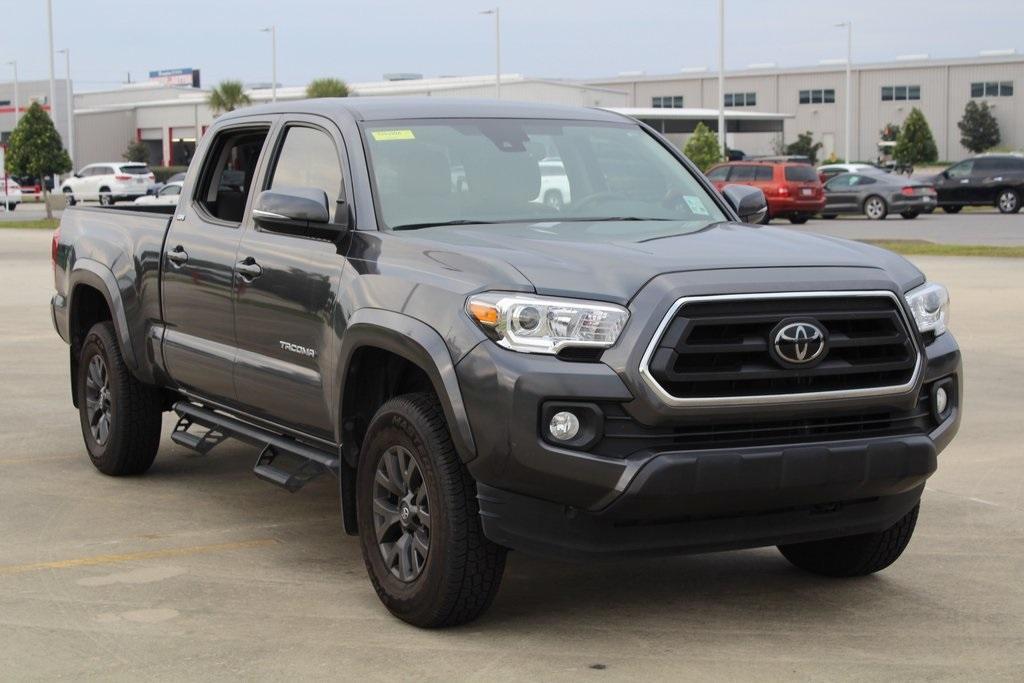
[{"x": 793, "y": 190}]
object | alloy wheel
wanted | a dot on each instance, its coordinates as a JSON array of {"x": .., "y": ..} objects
[
  {"x": 1008, "y": 202},
  {"x": 875, "y": 209},
  {"x": 98, "y": 401},
  {"x": 401, "y": 514}
]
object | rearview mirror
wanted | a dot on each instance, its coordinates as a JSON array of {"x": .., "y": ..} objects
[{"x": 748, "y": 202}]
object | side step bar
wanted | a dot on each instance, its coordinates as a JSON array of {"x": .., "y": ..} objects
[{"x": 307, "y": 462}]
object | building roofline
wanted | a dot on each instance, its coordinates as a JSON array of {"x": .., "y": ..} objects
[{"x": 818, "y": 68}]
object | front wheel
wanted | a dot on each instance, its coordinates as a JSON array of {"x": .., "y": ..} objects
[
  {"x": 909, "y": 215},
  {"x": 952, "y": 209},
  {"x": 120, "y": 416},
  {"x": 875, "y": 208},
  {"x": 854, "y": 555},
  {"x": 828, "y": 216},
  {"x": 1008, "y": 201},
  {"x": 419, "y": 523}
]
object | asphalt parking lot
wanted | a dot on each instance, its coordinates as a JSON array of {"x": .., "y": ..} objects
[{"x": 199, "y": 570}]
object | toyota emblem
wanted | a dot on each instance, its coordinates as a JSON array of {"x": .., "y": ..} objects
[{"x": 798, "y": 342}]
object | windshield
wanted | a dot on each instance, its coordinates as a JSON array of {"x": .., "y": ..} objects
[{"x": 462, "y": 171}]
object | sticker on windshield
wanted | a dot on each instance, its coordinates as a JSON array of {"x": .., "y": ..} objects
[
  {"x": 386, "y": 135},
  {"x": 696, "y": 205}
]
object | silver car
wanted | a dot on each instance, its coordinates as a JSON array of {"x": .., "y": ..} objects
[{"x": 876, "y": 195}]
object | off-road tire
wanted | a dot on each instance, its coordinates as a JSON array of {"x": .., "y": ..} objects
[
  {"x": 854, "y": 555},
  {"x": 135, "y": 420},
  {"x": 462, "y": 569}
]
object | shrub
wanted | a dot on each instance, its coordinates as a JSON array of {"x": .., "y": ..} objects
[
  {"x": 915, "y": 144},
  {"x": 979, "y": 130},
  {"x": 136, "y": 151},
  {"x": 702, "y": 148},
  {"x": 804, "y": 146},
  {"x": 327, "y": 87}
]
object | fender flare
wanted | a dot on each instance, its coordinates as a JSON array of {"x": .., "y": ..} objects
[
  {"x": 96, "y": 275},
  {"x": 420, "y": 344}
]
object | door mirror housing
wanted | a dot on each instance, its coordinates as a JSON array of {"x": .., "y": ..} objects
[
  {"x": 298, "y": 209},
  {"x": 748, "y": 202}
]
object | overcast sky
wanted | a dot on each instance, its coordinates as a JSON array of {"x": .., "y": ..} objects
[{"x": 359, "y": 41}]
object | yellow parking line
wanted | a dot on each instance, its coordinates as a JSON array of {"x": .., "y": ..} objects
[{"x": 131, "y": 557}]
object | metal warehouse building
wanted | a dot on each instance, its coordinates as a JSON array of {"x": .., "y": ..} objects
[{"x": 882, "y": 93}]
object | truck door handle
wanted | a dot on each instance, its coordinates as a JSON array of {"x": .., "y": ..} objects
[
  {"x": 248, "y": 269},
  {"x": 178, "y": 256}
]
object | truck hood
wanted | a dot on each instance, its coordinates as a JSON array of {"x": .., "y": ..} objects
[{"x": 612, "y": 260}]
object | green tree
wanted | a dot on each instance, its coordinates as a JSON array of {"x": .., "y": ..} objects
[
  {"x": 35, "y": 150},
  {"x": 702, "y": 148},
  {"x": 228, "y": 96},
  {"x": 915, "y": 144},
  {"x": 889, "y": 133},
  {"x": 979, "y": 130},
  {"x": 327, "y": 87},
  {"x": 136, "y": 151},
  {"x": 804, "y": 146}
]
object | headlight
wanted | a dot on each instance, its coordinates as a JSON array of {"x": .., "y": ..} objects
[
  {"x": 929, "y": 304},
  {"x": 536, "y": 324}
]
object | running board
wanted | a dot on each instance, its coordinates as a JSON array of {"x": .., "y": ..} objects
[{"x": 283, "y": 461}]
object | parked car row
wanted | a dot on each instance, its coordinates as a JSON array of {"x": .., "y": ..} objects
[{"x": 797, "y": 191}]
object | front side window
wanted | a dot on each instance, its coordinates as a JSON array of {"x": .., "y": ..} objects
[
  {"x": 961, "y": 170},
  {"x": 452, "y": 171},
  {"x": 309, "y": 159},
  {"x": 720, "y": 173},
  {"x": 743, "y": 174}
]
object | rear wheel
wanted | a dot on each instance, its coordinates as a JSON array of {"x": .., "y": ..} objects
[
  {"x": 854, "y": 555},
  {"x": 69, "y": 196},
  {"x": 875, "y": 208},
  {"x": 120, "y": 416},
  {"x": 419, "y": 523},
  {"x": 909, "y": 214},
  {"x": 828, "y": 216},
  {"x": 798, "y": 220},
  {"x": 106, "y": 199},
  {"x": 952, "y": 209},
  {"x": 1008, "y": 201}
]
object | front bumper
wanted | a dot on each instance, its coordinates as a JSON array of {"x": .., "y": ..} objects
[{"x": 542, "y": 497}]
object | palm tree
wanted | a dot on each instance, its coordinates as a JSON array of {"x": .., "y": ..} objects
[
  {"x": 228, "y": 96},
  {"x": 327, "y": 87}
]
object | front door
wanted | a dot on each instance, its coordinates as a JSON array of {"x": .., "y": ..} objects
[
  {"x": 953, "y": 185},
  {"x": 199, "y": 264},
  {"x": 840, "y": 195},
  {"x": 285, "y": 288}
]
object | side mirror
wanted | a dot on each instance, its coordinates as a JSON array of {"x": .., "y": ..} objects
[
  {"x": 748, "y": 202},
  {"x": 78, "y": 175},
  {"x": 300, "y": 210}
]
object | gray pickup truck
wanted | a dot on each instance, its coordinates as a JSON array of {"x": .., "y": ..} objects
[{"x": 378, "y": 290}]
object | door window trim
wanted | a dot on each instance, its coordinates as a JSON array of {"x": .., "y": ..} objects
[{"x": 202, "y": 173}]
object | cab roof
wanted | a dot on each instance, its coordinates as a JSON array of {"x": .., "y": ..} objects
[{"x": 374, "y": 108}]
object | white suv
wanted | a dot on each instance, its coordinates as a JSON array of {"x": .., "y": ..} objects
[
  {"x": 108, "y": 183},
  {"x": 10, "y": 193}
]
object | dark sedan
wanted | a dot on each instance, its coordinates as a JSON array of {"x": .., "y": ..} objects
[{"x": 876, "y": 195}]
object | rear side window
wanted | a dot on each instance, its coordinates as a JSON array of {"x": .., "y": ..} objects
[
  {"x": 743, "y": 173},
  {"x": 228, "y": 173},
  {"x": 763, "y": 173},
  {"x": 801, "y": 174},
  {"x": 309, "y": 159}
]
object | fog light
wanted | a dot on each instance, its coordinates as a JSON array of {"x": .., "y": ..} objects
[
  {"x": 941, "y": 400},
  {"x": 564, "y": 426}
]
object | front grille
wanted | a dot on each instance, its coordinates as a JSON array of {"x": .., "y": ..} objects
[
  {"x": 717, "y": 348},
  {"x": 624, "y": 436}
]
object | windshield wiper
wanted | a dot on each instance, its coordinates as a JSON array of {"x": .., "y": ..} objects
[
  {"x": 438, "y": 224},
  {"x": 605, "y": 219}
]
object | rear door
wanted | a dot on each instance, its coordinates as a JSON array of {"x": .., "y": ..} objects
[
  {"x": 986, "y": 179},
  {"x": 286, "y": 282},
  {"x": 199, "y": 261}
]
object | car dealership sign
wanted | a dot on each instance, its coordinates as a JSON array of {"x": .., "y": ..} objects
[{"x": 186, "y": 76}]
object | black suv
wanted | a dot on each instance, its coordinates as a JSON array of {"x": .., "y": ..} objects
[
  {"x": 375, "y": 289},
  {"x": 986, "y": 180}
]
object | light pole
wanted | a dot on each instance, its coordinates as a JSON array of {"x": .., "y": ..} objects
[
  {"x": 272, "y": 30},
  {"x": 497, "y": 49},
  {"x": 70, "y": 104},
  {"x": 721, "y": 78},
  {"x": 14, "y": 65},
  {"x": 53, "y": 87},
  {"x": 848, "y": 25}
]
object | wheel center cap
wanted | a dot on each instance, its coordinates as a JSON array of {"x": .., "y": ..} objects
[{"x": 405, "y": 513}]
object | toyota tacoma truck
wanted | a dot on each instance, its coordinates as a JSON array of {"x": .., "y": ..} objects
[{"x": 374, "y": 289}]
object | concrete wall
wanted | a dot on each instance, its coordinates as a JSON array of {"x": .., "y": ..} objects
[{"x": 945, "y": 90}]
